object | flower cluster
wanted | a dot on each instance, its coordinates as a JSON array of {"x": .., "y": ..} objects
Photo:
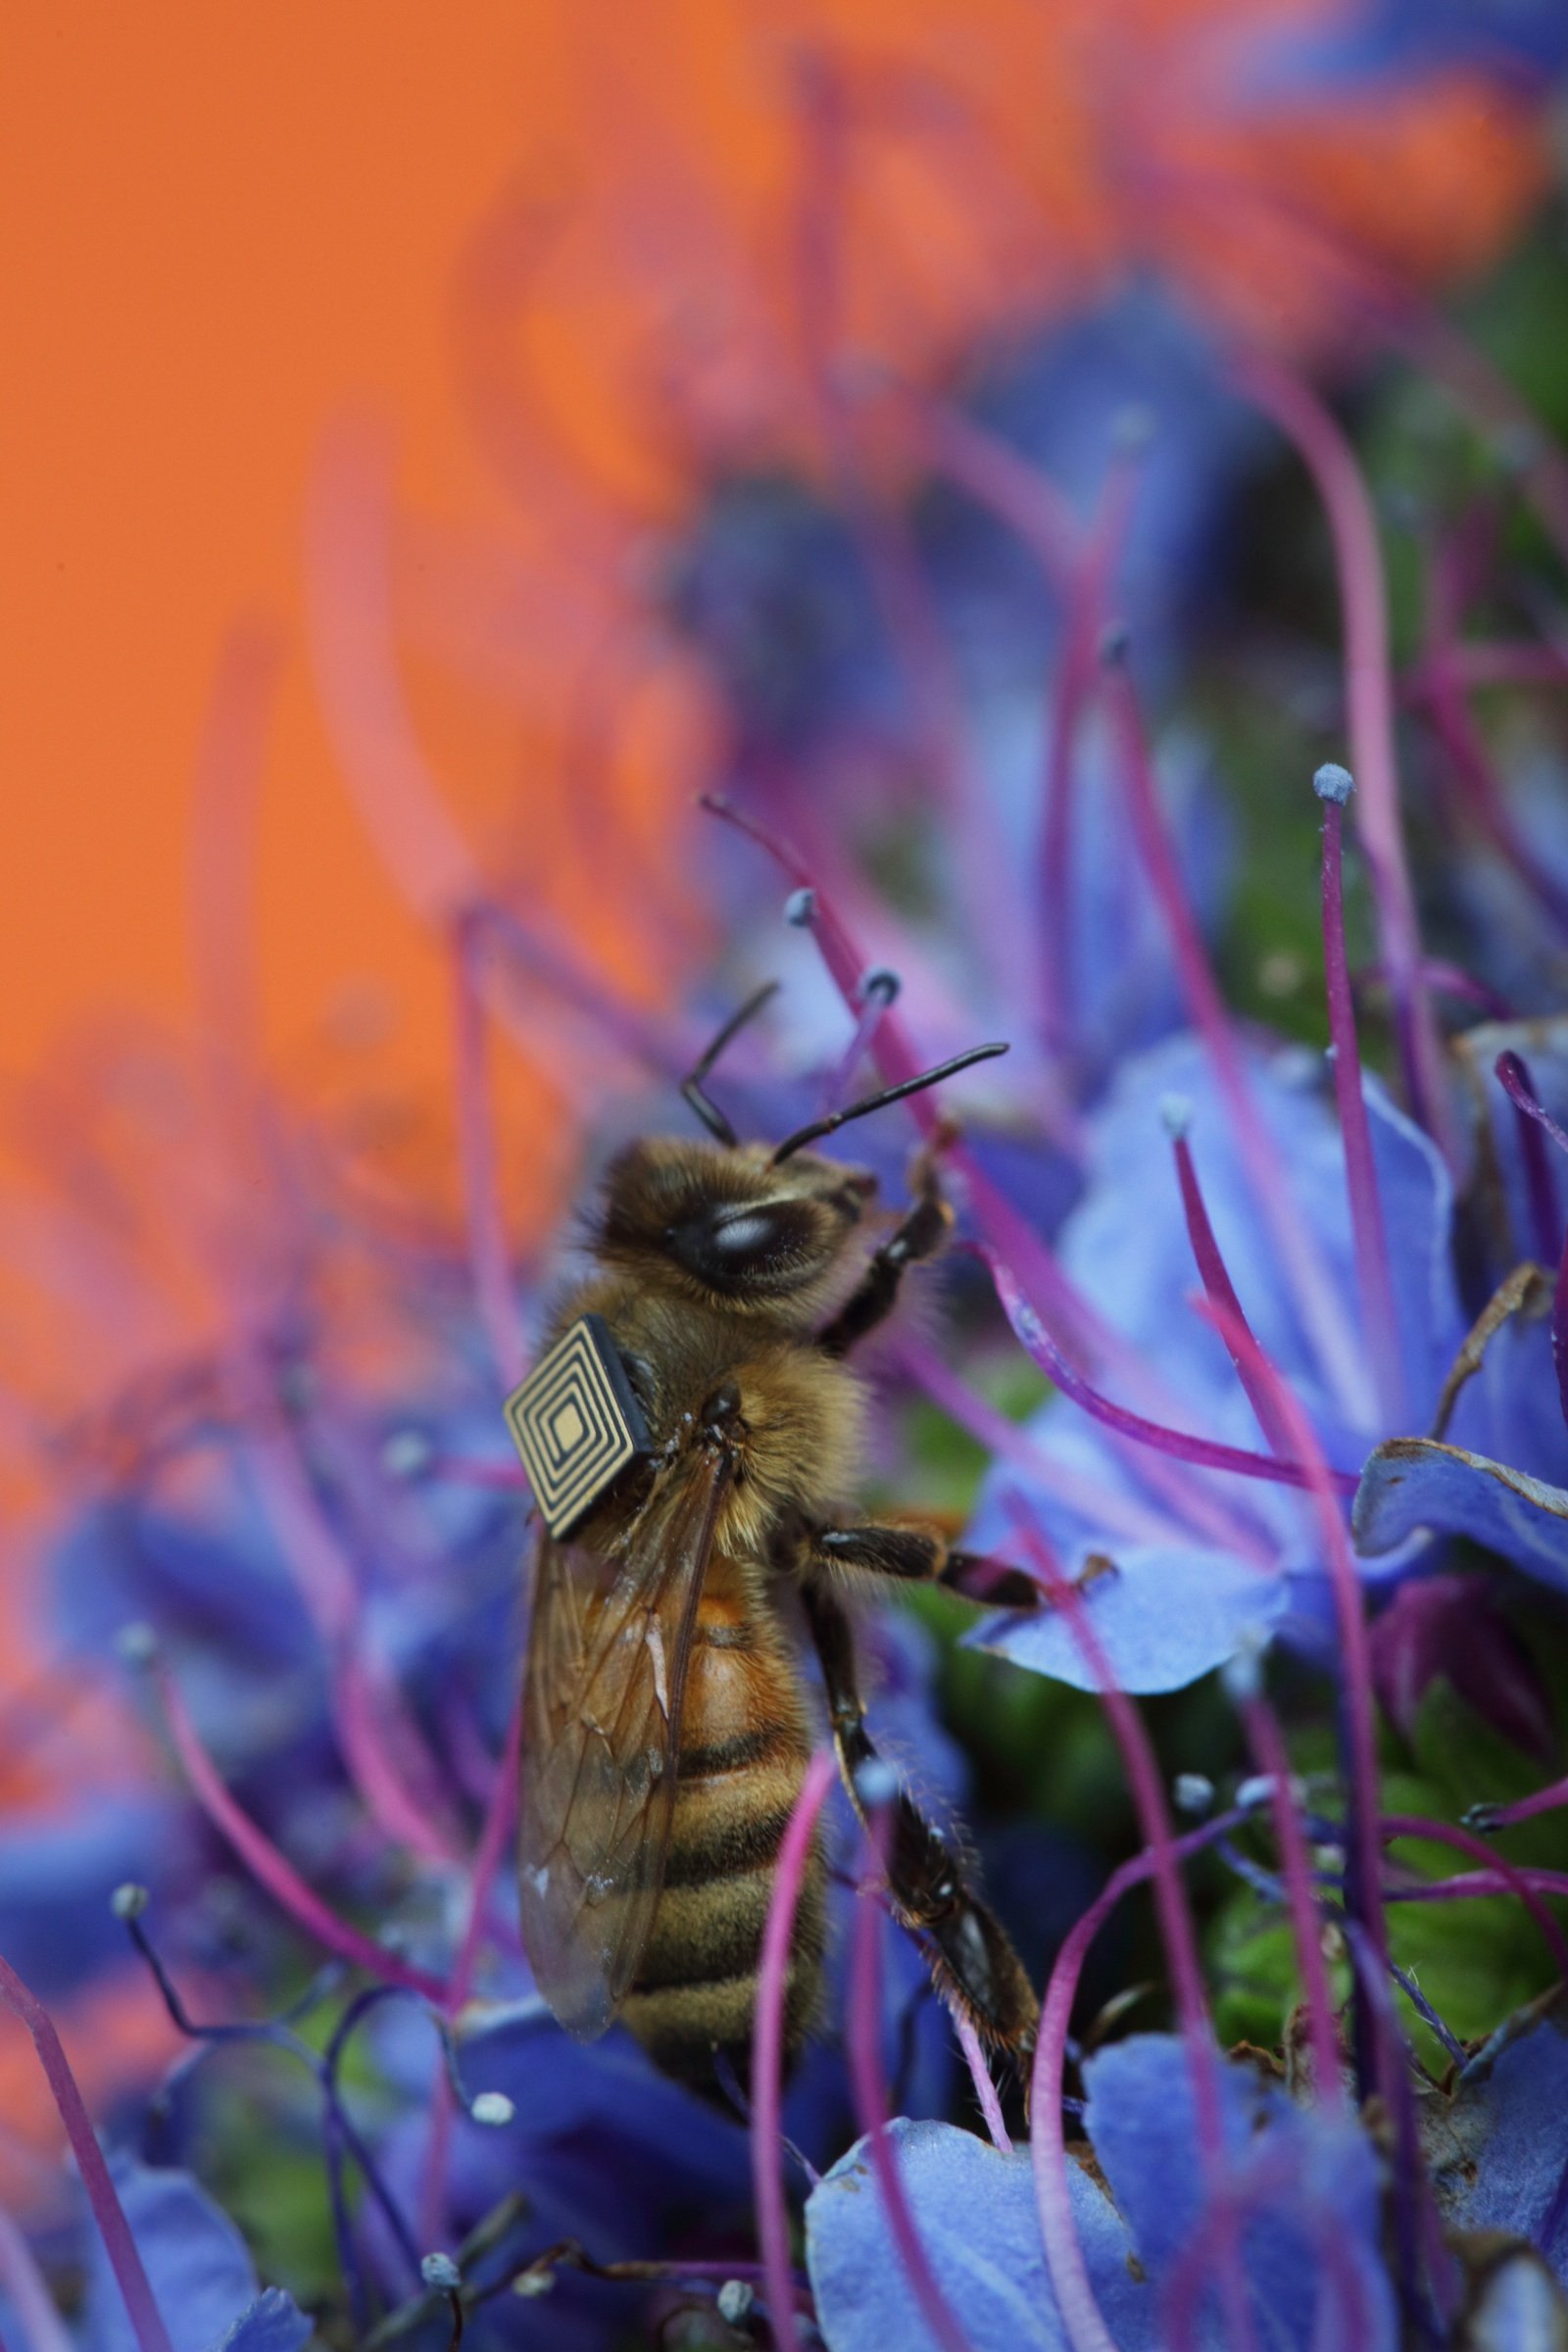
[{"x": 1254, "y": 1358}]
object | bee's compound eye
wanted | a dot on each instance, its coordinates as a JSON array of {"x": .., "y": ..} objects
[
  {"x": 750, "y": 1234},
  {"x": 739, "y": 1245}
]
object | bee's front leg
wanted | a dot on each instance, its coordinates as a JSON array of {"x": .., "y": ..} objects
[
  {"x": 972, "y": 1959},
  {"x": 924, "y": 1228}
]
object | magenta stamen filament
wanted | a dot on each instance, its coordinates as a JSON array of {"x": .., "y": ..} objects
[
  {"x": 478, "y": 1156},
  {"x": 767, "y": 2049},
  {"x": 985, "y": 2089},
  {"x": 367, "y": 1708},
  {"x": 1206, "y": 1453},
  {"x": 1081, "y": 2319},
  {"x": 1117, "y": 1512},
  {"x": 1482, "y": 792},
  {"x": 270, "y": 1868},
  {"x": 119, "y": 2245},
  {"x": 43, "y": 2329},
  {"x": 864, "y": 2051},
  {"x": 1170, "y": 1903},
  {"x": 1295, "y": 1870},
  {"x": 1218, "y": 1287},
  {"x": 1535, "y": 1121},
  {"x": 1535, "y": 1124},
  {"x": 1270, "y": 1181},
  {"x": 1522, "y": 1884},
  {"x": 1185, "y": 2288},
  {"x": 1445, "y": 980},
  {"x": 1052, "y": 1297},
  {"x": 495, "y": 1832},
  {"x": 1350, "y": 1621},
  {"x": 1374, "y": 1280},
  {"x": 1549, "y": 1799},
  {"x": 1302, "y": 418},
  {"x": 1079, "y": 571}
]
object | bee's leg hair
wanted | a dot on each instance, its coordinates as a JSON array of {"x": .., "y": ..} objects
[
  {"x": 917, "y": 1555},
  {"x": 925, "y": 1227},
  {"x": 975, "y": 1964}
]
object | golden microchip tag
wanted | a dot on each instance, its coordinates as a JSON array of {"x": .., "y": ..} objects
[{"x": 577, "y": 1423}]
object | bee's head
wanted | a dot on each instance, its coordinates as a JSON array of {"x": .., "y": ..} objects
[
  {"x": 758, "y": 1228},
  {"x": 729, "y": 1226}
]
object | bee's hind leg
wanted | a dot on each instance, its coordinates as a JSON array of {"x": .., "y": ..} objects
[{"x": 975, "y": 1964}]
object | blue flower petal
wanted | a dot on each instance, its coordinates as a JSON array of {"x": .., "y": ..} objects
[
  {"x": 1128, "y": 1243},
  {"x": 274, "y": 2323},
  {"x": 1500, "y": 2154},
  {"x": 1414, "y": 1483},
  {"x": 976, "y": 2215},
  {"x": 57, "y": 1874},
  {"x": 1141, "y": 2122},
  {"x": 676, "y": 2147},
  {"x": 197, "y": 2264},
  {"x": 1511, "y": 1409},
  {"x": 1518, "y": 2308},
  {"x": 1164, "y": 1615},
  {"x": 1299, "y": 2179}
]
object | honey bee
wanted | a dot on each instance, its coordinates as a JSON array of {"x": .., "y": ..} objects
[{"x": 700, "y": 1369}]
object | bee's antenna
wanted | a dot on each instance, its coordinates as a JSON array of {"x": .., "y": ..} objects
[
  {"x": 711, "y": 1116},
  {"x": 891, "y": 1094}
]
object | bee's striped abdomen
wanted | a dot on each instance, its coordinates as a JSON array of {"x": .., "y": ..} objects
[{"x": 744, "y": 1746}]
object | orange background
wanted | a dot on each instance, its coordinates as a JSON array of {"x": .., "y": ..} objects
[{"x": 221, "y": 225}]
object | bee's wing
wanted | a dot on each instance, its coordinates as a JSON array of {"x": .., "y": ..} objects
[{"x": 601, "y": 1700}]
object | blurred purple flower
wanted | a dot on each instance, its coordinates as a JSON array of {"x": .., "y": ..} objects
[{"x": 1450, "y": 1629}]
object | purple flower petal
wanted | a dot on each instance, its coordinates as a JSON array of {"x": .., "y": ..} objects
[{"x": 1450, "y": 1627}]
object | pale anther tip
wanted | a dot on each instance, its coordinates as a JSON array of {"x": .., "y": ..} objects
[
  {"x": 439, "y": 2270},
  {"x": 875, "y": 1782},
  {"x": 735, "y": 2299},
  {"x": 129, "y": 1900},
  {"x": 1243, "y": 1672},
  {"x": 1335, "y": 783},
  {"x": 1194, "y": 1792},
  {"x": 406, "y": 1452},
  {"x": 136, "y": 1643},
  {"x": 492, "y": 2107},
  {"x": 799, "y": 907},
  {"x": 1133, "y": 427},
  {"x": 881, "y": 982},
  {"x": 1175, "y": 1114}
]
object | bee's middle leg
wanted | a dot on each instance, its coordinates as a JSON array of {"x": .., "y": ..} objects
[
  {"x": 974, "y": 1961},
  {"x": 917, "y": 1555}
]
